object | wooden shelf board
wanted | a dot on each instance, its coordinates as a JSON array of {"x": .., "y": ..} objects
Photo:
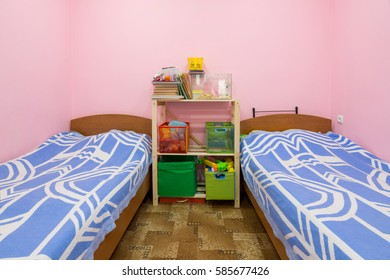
[{"x": 194, "y": 100}]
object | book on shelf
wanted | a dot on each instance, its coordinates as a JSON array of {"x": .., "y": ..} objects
[
  {"x": 182, "y": 92},
  {"x": 167, "y": 84},
  {"x": 180, "y": 89},
  {"x": 185, "y": 86},
  {"x": 166, "y": 91},
  {"x": 166, "y": 88}
]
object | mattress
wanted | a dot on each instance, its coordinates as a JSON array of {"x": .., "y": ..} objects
[
  {"x": 324, "y": 196},
  {"x": 59, "y": 201}
]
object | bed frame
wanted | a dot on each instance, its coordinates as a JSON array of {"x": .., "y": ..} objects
[
  {"x": 96, "y": 124},
  {"x": 280, "y": 122}
]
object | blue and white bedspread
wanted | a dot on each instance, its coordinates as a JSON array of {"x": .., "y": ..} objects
[
  {"x": 324, "y": 196},
  {"x": 59, "y": 201}
]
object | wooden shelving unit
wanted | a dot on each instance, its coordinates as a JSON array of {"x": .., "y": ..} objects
[{"x": 159, "y": 116}]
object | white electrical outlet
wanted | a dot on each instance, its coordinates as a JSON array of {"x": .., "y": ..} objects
[{"x": 340, "y": 119}]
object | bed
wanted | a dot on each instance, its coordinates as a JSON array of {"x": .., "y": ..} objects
[
  {"x": 74, "y": 196},
  {"x": 318, "y": 194}
]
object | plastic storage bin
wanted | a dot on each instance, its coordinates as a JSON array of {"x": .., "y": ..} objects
[
  {"x": 219, "y": 185},
  {"x": 173, "y": 139},
  {"x": 177, "y": 176},
  {"x": 197, "y": 87},
  {"x": 211, "y": 86},
  {"x": 219, "y": 137},
  {"x": 218, "y": 86}
]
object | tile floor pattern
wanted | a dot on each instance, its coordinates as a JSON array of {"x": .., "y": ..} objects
[{"x": 188, "y": 231}]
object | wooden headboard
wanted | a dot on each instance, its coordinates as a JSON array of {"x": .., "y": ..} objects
[
  {"x": 280, "y": 122},
  {"x": 95, "y": 124}
]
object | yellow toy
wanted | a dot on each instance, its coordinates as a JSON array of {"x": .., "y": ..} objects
[
  {"x": 211, "y": 165},
  {"x": 219, "y": 166},
  {"x": 230, "y": 165}
]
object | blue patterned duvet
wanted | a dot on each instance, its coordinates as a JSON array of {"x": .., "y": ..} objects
[
  {"x": 59, "y": 201},
  {"x": 324, "y": 196}
]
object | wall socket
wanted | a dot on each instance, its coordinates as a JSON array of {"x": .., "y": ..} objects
[{"x": 340, "y": 119}]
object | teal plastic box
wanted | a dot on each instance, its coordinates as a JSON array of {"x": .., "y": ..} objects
[
  {"x": 219, "y": 137},
  {"x": 219, "y": 185},
  {"x": 177, "y": 176}
]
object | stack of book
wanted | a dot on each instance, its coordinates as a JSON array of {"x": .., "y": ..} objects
[
  {"x": 173, "y": 90},
  {"x": 166, "y": 90}
]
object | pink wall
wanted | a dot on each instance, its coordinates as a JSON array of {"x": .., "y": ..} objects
[
  {"x": 277, "y": 51},
  {"x": 34, "y": 73},
  {"x": 66, "y": 58},
  {"x": 361, "y": 81}
]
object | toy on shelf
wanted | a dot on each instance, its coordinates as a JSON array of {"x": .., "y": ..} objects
[
  {"x": 218, "y": 165},
  {"x": 212, "y": 167},
  {"x": 166, "y": 74},
  {"x": 195, "y": 63},
  {"x": 230, "y": 165}
]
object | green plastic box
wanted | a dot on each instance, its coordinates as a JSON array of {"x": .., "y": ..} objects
[
  {"x": 219, "y": 137},
  {"x": 177, "y": 176},
  {"x": 219, "y": 185}
]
